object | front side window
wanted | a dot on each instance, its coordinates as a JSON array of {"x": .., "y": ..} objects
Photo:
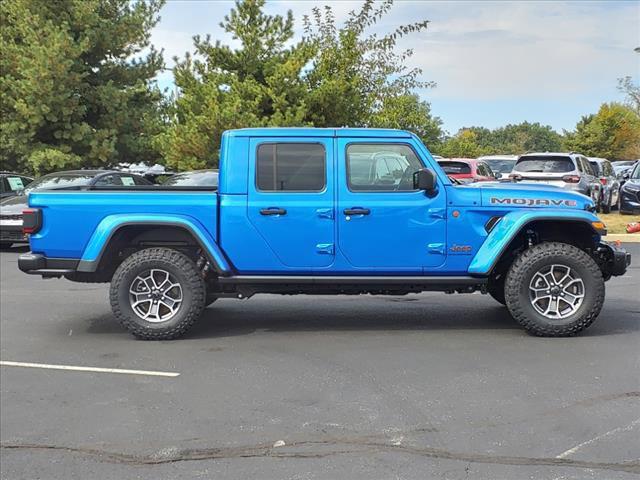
[
  {"x": 381, "y": 167},
  {"x": 293, "y": 167}
]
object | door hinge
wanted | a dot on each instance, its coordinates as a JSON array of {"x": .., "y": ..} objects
[
  {"x": 438, "y": 213},
  {"x": 324, "y": 248},
  {"x": 325, "y": 213},
  {"x": 436, "y": 248}
]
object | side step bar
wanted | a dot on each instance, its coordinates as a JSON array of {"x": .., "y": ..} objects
[{"x": 443, "y": 281}]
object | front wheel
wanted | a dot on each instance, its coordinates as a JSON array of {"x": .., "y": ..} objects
[
  {"x": 157, "y": 294},
  {"x": 554, "y": 290}
]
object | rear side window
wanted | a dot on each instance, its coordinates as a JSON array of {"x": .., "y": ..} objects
[
  {"x": 293, "y": 167},
  {"x": 451, "y": 168},
  {"x": 546, "y": 164},
  {"x": 595, "y": 166},
  {"x": 108, "y": 181},
  {"x": 16, "y": 183}
]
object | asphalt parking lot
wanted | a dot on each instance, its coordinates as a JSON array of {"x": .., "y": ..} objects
[{"x": 309, "y": 387}]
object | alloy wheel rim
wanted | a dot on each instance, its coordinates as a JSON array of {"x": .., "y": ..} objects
[
  {"x": 556, "y": 291},
  {"x": 155, "y": 295}
]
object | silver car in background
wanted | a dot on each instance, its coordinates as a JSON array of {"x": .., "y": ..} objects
[
  {"x": 610, "y": 190},
  {"x": 571, "y": 171},
  {"x": 501, "y": 165}
]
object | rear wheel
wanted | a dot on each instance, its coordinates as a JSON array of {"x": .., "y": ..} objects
[
  {"x": 554, "y": 290},
  {"x": 157, "y": 294}
]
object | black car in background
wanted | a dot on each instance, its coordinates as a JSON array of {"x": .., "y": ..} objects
[
  {"x": 196, "y": 178},
  {"x": 11, "y": 208},
  {"x": 12, "y": 183},
  {"x": 629, "y": 202},
  {"x": 610, "y": 189}
]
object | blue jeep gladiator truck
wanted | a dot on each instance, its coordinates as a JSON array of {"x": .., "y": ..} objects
[{"x": 325, "y": 211}]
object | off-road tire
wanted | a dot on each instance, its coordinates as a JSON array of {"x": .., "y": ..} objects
[
  {"x": 533, "y": 259},
  {"x": 178, "y": 265}
]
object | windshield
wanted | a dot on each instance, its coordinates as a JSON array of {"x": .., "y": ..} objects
[
  {"x": 501, "y": 166},
  {"x": 544, "y": 164},
  {"x": 56, "y": 180},
  {"x": 596, "y": 167},
  {"x": 452, "y": 168},
  {"x": 635, "y": 174},
  {"x": 194, "y": 179}
]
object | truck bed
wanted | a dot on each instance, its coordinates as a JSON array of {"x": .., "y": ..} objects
[{"x": 72, "y": 217}]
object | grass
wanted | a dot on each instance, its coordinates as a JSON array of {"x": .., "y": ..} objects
[{"x": 617, "y": 223}]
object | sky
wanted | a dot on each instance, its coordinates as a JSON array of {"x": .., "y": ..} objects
[{"x": 494, "y": 63}]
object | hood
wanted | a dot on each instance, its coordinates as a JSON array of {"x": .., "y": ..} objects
[
  {"x": 14, "y": 205},
  {"x": 632, "y": 183},
  {"x": 507, "y": 194}
]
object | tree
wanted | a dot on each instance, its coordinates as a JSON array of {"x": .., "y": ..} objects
[
  {"x": 407, "y": 112},
  {"x": 332, "y": 77},
  {"x": 517, "y": 139},
  {"x": 613, "y": 133},
  {"x": 511, "y": 139},
  {"x": 463, "y": 144},
  {"x": 353, "y": 75},
  {"x": 632, "y": 92},
  {"x": 257, "y": 84},
  {"x": 75, "y": 88}
]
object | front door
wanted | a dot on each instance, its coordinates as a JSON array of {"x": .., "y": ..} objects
[
  {"x": 291, "y": 199},
  {"x": 383, "y": 222}
]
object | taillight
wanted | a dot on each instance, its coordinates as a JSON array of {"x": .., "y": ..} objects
[
  {"x": 31, "y": 220},
  {"x": 603, "y": 180},
  {"x": 571, "y": 178}
]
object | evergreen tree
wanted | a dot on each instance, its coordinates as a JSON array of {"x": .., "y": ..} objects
[{"x": 75, "y": 86}]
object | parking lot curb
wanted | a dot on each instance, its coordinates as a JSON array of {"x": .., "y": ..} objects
[{"x": 623, "y": 237}]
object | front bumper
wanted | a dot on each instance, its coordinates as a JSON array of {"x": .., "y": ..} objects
[
  {"x": 615, "y": 260},
  {"x": 38, "y": 264}
]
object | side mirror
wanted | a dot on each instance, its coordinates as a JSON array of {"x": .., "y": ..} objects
[{"x": 425, "y": 179}]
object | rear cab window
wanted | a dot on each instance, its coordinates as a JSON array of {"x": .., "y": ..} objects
[
  {"x": 452, "y": 168},
  {"x": 291, "y": 167},
  {"x": 544, "y": 164}
]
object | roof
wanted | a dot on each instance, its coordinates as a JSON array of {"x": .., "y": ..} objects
[
  {"x": 498, "y": 157},
  {"x": 5, "y": 172},
  {"x": 84, "y": 172},
  {"x": 318, "y": 132},
  {"x": 550, "y": 154},
  {"x": 463, "y": 160}
]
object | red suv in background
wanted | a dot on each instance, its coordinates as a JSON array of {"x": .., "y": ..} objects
[{"x": 467, "y": 170}]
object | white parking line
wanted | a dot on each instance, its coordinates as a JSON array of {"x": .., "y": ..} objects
[
  {"x": 573, "y": 450},
  {"x": 88, "y": 369}
]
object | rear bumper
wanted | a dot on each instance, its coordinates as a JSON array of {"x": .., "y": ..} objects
[
  {"x": 38, "y": 264},
  {"x": 12, "y": 233}
]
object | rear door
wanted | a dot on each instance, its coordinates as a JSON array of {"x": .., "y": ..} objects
[
  {"x": 291, "y": 198},
  {"x": 383, "y": 223}
]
